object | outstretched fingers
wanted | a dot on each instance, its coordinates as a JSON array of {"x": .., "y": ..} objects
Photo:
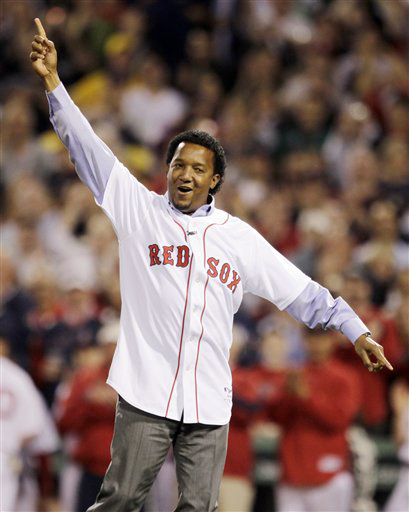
[{"x": 40, "y": 28}]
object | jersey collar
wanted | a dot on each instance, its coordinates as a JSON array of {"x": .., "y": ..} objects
[{"x": 203, "y": 211}]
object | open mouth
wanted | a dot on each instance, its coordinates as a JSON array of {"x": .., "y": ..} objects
[{"x": 184, "y": 189}]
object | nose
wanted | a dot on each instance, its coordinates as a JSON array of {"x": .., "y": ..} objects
[{"x": 187, "y": 173}]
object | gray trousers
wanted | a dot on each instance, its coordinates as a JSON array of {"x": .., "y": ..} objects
[{"x": 139, "y": 447}]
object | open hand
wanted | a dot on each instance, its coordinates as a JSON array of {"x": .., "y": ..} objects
[
  {"x": 43, "y": 55},
  {"x": 368, "y": 349}
]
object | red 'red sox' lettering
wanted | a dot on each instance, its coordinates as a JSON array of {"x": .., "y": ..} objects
[
  {"x": 224, "y": 273},
  {"x": 236, "y": 280},
  {"x": 153, "y": 254},
  {"x": 212, "y": 262},
  {"x": 166, "y": 255},
  {"x": 183, "y": 255}
]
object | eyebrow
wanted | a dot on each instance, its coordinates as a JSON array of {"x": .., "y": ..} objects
[{"x": 196, "y": 164}]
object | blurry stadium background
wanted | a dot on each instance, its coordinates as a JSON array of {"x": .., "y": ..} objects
[{"x": 310, "y": 101}]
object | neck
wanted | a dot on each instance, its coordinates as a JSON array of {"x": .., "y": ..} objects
[{"x": 200, "y": 210}]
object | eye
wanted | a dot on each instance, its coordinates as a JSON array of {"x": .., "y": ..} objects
[
  {"x": 199, "y": 170},
  {"x": 177, "y": 165}
]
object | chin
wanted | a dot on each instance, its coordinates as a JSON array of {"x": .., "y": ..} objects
[{"x": 183, "y": 207}]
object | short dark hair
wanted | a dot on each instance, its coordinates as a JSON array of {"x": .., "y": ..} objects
[{"x": 201, "y": 139}]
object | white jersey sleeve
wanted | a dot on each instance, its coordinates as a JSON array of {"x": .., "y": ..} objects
[
  {"x": 269, "y": 274},
  {"x": 127, "y": 202}
]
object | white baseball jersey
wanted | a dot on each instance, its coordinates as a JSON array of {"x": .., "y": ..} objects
[
  {"x": 182, "y": 279},
  {"x": 23, "y": 420}
]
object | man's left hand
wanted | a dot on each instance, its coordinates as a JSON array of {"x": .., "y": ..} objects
[{"x": 368, "y": 349}]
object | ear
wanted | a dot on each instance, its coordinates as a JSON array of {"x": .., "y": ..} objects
[{"x": 215, "y": 181}]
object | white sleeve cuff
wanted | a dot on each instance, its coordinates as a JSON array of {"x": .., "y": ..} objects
[{"x": 354, "y": 328}]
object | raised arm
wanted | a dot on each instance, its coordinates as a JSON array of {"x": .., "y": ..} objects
[{"x": 92, "y": 158}]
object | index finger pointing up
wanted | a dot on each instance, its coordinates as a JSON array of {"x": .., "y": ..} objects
[{"x": 40, "y": 28}]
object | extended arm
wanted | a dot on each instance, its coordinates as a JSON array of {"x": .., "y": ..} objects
[
  {"x": 92, "y": 158},
  {"x": 316, "y": 306},
  {"x": 273, "y": 277}
]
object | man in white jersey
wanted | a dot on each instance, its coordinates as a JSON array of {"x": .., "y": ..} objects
[
  {"x": 184, "y": 267},
  {"x": 26, "y": 428}
]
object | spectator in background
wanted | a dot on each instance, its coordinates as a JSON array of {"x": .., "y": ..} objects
[
  {"x": 362, "y": 168},
  {"x": 28, "y": 204},
  {"x": 399, "y": 291},
  {"x": 26, "y": 427},
  {"x": 259, "y": 70},
  {"x": 384, "y": 231},
  {"x": 61, "y": 233},
  {"x": 272, "y": 216},
  {"x": 198, "y": 62},
  {"x": 151, "y": 109},
  {"x": 45, "y": 313},
  {"x": 324, "y": 247},
  {"x": 395, "y": 171},
  {"x": 402, "y": 321},
  {"x": 22, "y": 154},
  {"x": 320, "y": 402},
  {"x": 74, "y": 327},
  {"x": 88, "y": 411},
  {"x": 100, "y": 238},
  {"x": 353, "y": 126},
  {"x": 32, "y": 258},
  {"x": 15, "y": 304},
  {"x": 306, "y": 125},
  {"x": 255, "y": 388},
  {"x": 399, "y": 500},
  {"x": 305, "y": 176},
  {"x": 207, "y": 100},
  {"x": 361, "y": 188}
]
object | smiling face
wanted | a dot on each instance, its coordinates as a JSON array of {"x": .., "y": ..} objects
[{"x": 191, "y": 176}]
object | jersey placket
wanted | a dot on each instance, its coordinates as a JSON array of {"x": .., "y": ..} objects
[{"x": 194, "y": 334}]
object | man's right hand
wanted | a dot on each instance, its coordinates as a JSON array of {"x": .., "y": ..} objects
[{"x": 44, "y": 57}]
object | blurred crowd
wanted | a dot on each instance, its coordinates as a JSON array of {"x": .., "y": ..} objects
[{"x": 310, "y": 99}]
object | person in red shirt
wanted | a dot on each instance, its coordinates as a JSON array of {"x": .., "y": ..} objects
[
  {"x": 320, "y": 402},
  {"x": 254, "y": 388},
  {"x": 88, "y": 411}
]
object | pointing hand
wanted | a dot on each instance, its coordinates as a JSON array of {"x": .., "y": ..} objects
[
  {"x": 367, "y": 348},
  {"x": 43, "y": 55}
]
